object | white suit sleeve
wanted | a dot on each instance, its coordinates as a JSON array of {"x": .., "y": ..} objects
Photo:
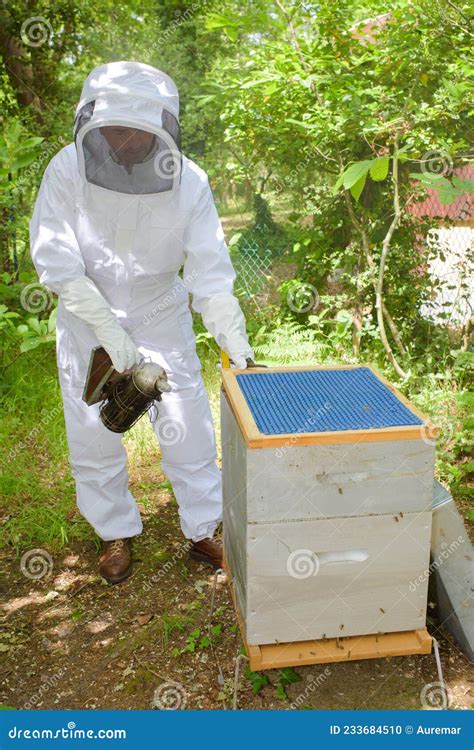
[
  {"x": 210, "y": 275},
  {"x": 208, "y": 269},
  {"x": 60, "y": 266},
  {"x": 54, "y": 249}
]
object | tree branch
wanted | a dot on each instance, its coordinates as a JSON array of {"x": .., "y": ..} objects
[{"x": 383, "y": 261}]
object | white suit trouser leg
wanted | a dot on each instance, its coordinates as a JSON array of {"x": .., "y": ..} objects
[{"x": 99, "y": 461}]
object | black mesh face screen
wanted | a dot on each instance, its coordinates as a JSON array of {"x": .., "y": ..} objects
[
  {"x": 129, "y": 160},
  {"x": 83, "y": 117},
  {"x": 171, "y": 125}
]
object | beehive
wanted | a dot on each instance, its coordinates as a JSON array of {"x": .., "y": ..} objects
[{"x": 327, "y": 489}]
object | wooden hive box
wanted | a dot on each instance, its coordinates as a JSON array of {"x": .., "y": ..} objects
[{"x": 327, "y": 490}]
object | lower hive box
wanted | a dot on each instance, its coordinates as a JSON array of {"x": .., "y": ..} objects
[{"x": 327, "y": 490}]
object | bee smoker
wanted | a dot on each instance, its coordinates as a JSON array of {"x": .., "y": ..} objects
[{"x": 125, "y": 396}]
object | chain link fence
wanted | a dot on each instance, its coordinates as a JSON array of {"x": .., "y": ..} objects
[{"x": 447, "y": 249}]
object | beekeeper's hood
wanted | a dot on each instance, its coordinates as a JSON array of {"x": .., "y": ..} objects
[{"x": 126, "y": 129}]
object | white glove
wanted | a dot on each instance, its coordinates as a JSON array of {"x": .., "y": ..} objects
[
  {"x": 223, "y": 318},
  {"x": 81, "y": 297},
  {"x": 118, "y": 345},
  {"x": 238, "y": 362}
]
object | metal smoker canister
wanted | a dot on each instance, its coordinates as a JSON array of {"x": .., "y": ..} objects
[{"x": 131, "y": 397}]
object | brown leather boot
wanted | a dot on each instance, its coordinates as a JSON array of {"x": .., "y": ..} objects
[
  {"x": 115, "y": 562},
  {"x": 207, "y": 551}
]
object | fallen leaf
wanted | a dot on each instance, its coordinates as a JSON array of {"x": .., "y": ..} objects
[{"x": 144, "y": 619}]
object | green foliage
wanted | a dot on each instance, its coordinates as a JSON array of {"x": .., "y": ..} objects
[
  {"x": 256, "y": 679},
  {"x": 314, "y": 106},
  {"x": 448, "y": 190},
  {"x": 17, "y": 150},
  {"x": 198, "y": 640},
  {"x": 37, "y": 332},
  {"x": 286, "y": 677},
  {"x": 320, "y": 339}
]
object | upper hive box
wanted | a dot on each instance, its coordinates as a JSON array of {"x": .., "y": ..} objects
[{"x": 327, "y": 489}]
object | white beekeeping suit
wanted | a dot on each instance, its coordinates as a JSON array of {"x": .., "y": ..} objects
[{"x": 110, "y": 240}]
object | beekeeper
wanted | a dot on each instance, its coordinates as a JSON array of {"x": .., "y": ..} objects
[{"x": 119, "y": 213}]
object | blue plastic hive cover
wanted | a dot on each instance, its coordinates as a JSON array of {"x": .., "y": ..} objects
[{"x": 322, "y": 401}]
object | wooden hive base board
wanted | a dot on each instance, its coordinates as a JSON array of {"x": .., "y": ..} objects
[{"x": 330, "y": 650}]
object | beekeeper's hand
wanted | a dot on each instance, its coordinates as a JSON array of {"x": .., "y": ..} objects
[
  {"x": 118, "y": 345},
  {"x": 223, "y": 318},
  {"x": 81, "y": 297},
  {"x": 240, "y": 362}
]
